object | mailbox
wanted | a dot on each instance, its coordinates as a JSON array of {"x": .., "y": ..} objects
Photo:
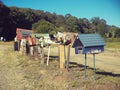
[
  {"x": 20, "y": 33},
  {"x": 88, "y": 44}
]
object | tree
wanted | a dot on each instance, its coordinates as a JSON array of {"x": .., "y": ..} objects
[
  {"x": 113, "y": 31},
  {"x": 46, "y": 22},
  {"x": 44, "y": 26},
  {"x": 67, "y": 16},
  {"x": 84, "y": 25},
  {"x": 99, "y": 25},
  {"x": 117, "y": 33},
  {"x": 4, "y": 20},
  {"x": 60, "y": 20},
  {"x": 71, "y": 23}
]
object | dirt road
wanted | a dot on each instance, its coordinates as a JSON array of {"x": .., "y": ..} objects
[{"x": 108, "y": 61}]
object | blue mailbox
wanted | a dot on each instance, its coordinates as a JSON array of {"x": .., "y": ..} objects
[{"x": 89, "y": 44}]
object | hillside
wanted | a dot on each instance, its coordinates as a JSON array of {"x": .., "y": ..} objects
[{"x": 14, "y": 17}]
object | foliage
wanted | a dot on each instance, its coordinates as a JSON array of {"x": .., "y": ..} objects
[
  {"x": 46, "y": 22},
  {"x": 112, "y": 39},
  {"x": 43, "y": 26}
]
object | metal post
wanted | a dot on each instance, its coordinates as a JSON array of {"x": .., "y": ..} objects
[
  {"x": 85, "y": 65},
  {"x": 94, "y": 67}
]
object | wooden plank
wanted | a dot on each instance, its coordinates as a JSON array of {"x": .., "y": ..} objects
[
  {"x": 42, "y": 55},
  {"x": 62, "y": 55},
  {"x": 68, "y": 57},
  {"x": 35, "y": 52}
]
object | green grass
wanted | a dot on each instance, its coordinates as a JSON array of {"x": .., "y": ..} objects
[
  {"x": 112, "y": 39},
  {"x": 112, "y": 45},
  {"x": 6, "y": 43}
]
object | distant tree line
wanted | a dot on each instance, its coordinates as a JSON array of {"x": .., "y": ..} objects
[{"x": 46, "y": 22}]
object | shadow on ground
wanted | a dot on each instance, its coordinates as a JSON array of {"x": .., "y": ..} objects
[{"x": 98, "y": 71}]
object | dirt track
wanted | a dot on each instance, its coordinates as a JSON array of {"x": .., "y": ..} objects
[{"x": 107, "y": 61}]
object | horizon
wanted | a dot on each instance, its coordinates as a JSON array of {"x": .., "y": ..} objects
[{"x": 79, "y": 9}]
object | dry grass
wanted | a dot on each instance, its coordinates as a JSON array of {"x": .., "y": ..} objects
[
  {"x": 24, "y": 73},
  {"x": 18, "y": 72}
]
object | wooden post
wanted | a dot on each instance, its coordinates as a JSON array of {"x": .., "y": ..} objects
[
  {"x": 31, "y": 50},
  {"x": 16, "y": 46},
  {"x": 94, "y": 66},
  {"x": 42, "y": 55},
  {"x": 68, "y": 57},
  {"x": 27, "y": 49},
  {"x": 65, "y": 54},
  {"x": 61, "y": 55},
  {"x": 35, "y": 51},
  {"x": 48, "y": 55},
  {"x": 85, "y": 65}
]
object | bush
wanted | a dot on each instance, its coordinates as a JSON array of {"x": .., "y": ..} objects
[{"x": 112, "y": 39}]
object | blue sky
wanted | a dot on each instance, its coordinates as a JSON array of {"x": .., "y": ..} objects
[{"x": 105, "y": 9}]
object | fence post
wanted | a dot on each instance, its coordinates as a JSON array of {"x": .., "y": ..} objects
[
  {"x": 48, "y": 55},
  {"x": 68, "y": 57},
  {"x": 42, "y": 55},
  {"x": 85, "y": 65},
  {"x": 94, "y": 66},
  {"x": 61, "y": 56}
]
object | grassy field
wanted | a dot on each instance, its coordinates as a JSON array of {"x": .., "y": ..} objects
[
  {"x": 115, "y": 45},
  {"x": 20, "y": 72}
]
